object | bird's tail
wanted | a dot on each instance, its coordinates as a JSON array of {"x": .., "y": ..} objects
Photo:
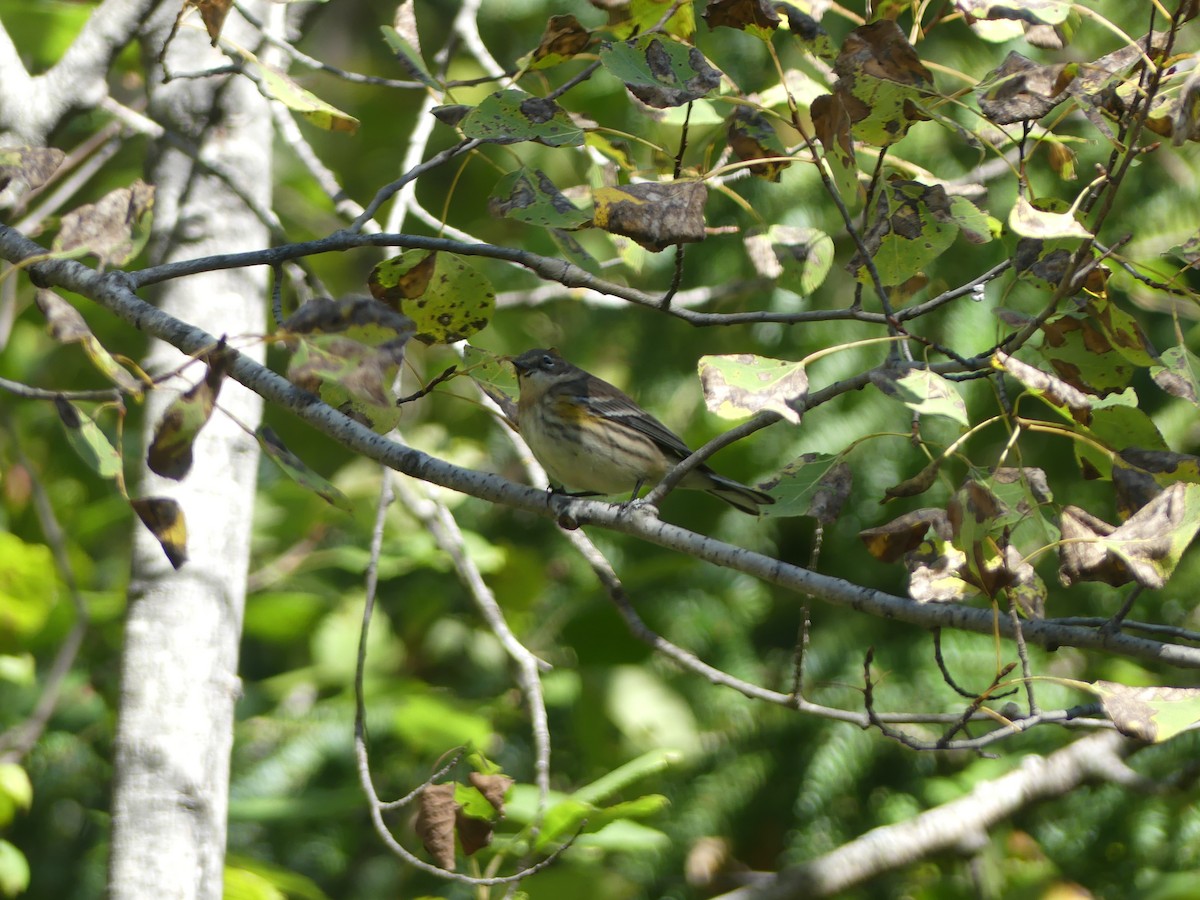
[{"x": 736, "y": 494}]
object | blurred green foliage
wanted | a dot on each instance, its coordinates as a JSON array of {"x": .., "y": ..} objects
[{"x": 769, "y": 786}]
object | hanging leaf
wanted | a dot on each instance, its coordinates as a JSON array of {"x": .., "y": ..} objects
[
  {"x": 752, "y": 136},
  {"x": 409, "y": 56},
  {"x": 881, "y": 82},
  {"x": 213, "y": 13},
  {"x": 815, "y": 484},
  {"x": 297, "y": 470},
  {"x": 446, "y": 298},
  {"x": 627, "y": 18},
  {"x": 1153, "y": 714},
  {"x": 1035, "y": 12},
  {"x": 114, "y": 229},
  {"x": 660, "y": 72},
  {"x": 1020, "y": 90},
  {"x": 531, "y": 197},
  {"x": 912, "y": 225},
  {"x": 87, "y": 440},
  {"x": 1055, "y": 391},
  {"x": 756, "y": 17},
  {"x": 1179, "y": 374},
  {"x": 67, "y": 326},
  {"x": 924, "y": 392},
  {"x": 742, "y": 385},
  {"x": 510, "y": 117},
  {"x": 563, "y": 39},
  {"x": 654, "y": 215},
  {"x": 349, "y": 353},
  {"x": 170, "y": 453},
  {"x": 890, "y": 542},
  {"x": 434, "y": 823},
  {"x": 165, "y": 520},
  {"x": 1028, "y": 220},
  {"x": 276, "y": 86},
  {"x": 798, "y": 259},
  {"x": 1082, "y": 355},
  {"x": 1145, "y": 549}
]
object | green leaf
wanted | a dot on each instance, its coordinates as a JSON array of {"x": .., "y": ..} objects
[
  {"x": 798, "y": 258},
  {"x": 1154, "y": 714},
  {"x": 170, "y": 453},
  {"x": 408, "y": 57},
  {"x": 660, "y": 72},
  {"x": 622, "y": 777},
  {"x": 240, "y": 884},
  {"x": 446, "y": 297},
  {"x": 912, "y": 225},
  {"x": 923, "y": 392},
  {"x": 742, "y": 385},
  {"x": 881, "y": 82},
  {"x": 16, "y": 792},
  {"x": 511, "y": 116},
  {"x": 297, "y": 470},
  {"x": 28, "y": 588},
  {"x": 815, "y": 484},
  {"x": 531, "y": 197},
  {"x": 277, "y": 86},
  {"x": 86, "y": 439},
  {"x": 14, "y": 870}
]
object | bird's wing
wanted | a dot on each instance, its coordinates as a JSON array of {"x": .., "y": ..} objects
[{"x": 623, "y": 409}]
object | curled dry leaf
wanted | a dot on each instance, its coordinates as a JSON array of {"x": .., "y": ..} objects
[{"x": 434, "y": 824}]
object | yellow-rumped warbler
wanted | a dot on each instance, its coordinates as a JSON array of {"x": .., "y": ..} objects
[{"x": 591, "y": 437}]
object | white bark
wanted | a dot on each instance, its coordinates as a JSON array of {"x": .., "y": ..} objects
[{"x": 179, "y": 674}]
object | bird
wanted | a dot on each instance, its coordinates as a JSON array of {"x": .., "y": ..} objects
[{"x": 591, "y": 437}]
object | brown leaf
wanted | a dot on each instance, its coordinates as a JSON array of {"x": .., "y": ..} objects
[
  {"x": 1145, "y": 549},
  {"x": 1149, "y": 713},
  {"x": 917, "y": 484},
  {"x": 474, "y": 834},
  {"x": 110, "y": 228},
  {"x": 1020, "y": 90},
  {"x": 655, "y": 215},
  {"x": 891, "y": 541},
  {"x": 213, "y": 12},
  {"x": 564, "y": 37},
  {"x": 741, "y": 14},
  {"x": 436, "y": 812},
  {"x": 493, "y": 787},
  {"x": 27, "y": 168},
  {"x": 833, "y": 490}
]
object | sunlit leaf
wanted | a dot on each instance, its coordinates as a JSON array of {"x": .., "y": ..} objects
[
  {"x": 87, "y": 440},
  {"x": 815, "y": 484},
  {"x": 798, "y": 258},
  {"x": 278, "y": 86},
  {"x": 66, "y": 325},
  {"x": 923, "y": 392},
  {"x": 741, "y": 385},
  {"x": 164, "y": 518},
  {"x": 1028, "y": 220},
  {"x": 446, "y": 297},
  {"x": 1154, "y": 714}
]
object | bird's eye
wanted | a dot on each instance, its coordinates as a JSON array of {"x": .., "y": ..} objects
[{"x": 547, "y": 361}]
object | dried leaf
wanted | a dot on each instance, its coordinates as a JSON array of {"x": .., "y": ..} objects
[
  {"x": 1020, "y": 90},
  {"x": 563, "y": 38},
  {"x": 114, "y": 229},
  {"x": 434, "y": 823},
  {"x": 213, "y": 13},
  {"x": 654, "y": 215},
  {"x": 758, "y": 17},
  {"x": 891, "y": 541},
  {"x": 23, "y": 169}
]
